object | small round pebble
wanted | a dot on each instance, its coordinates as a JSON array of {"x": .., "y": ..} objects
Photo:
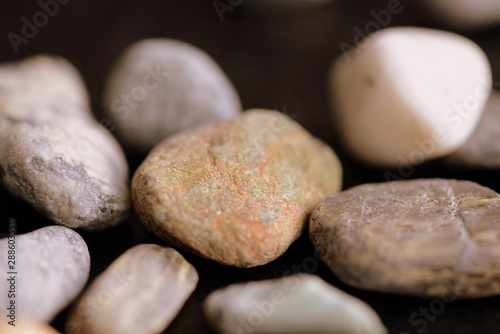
[{"x": 161, "y": 86}]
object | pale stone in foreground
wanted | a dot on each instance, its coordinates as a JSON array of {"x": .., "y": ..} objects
[
  {"x": 54, "y": 154},
  {"x": 52, "y": 265},
  {"x": 406, "y": 95},
  {"x": 24, "y": 327},
  {"x": 428, "y": 237},
  {"x": 466, "y": 14},
  {"x": 296, "y": 304},
  {"x": 482, "y": 150},
  {"x": 162, "y": 86},
  {"x": 140, "y": 292}
]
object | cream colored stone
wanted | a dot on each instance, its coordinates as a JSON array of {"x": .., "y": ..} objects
[
  {"x": 407, "y": 95},
  {"x": 296, "y": 304}
]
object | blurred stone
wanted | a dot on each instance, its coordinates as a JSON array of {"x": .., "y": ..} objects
[
  {"x": 162, "y": 86},
  {"x": 406, "y": 95},
  {"x": 429, "y": 238},
  {"x": 238, "y": 192},
  {"x": 482, "y": 150},
  {"x": 26, "y": 328},
  {"x": 295, "y": 304},
  {"x": 51, "y": 267},
  {"x": 466, "y": 14},
  {"x": 54, "y": 154},
  {"x": 140, "y": 292}
]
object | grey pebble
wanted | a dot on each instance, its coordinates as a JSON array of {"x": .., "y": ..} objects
[
  {"x": 53, "y": 153},
  {"x": 51, "y": 267},
  {"x": 162, "y": 86}
]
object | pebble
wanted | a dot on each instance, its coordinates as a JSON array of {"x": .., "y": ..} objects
[
  {"x": 54, "y": 154},
  {"x": 24, "y": 327},
  {"x": 239, "y": 191},
  {"x": 427, "y": 237},
  {"x": 51, "y": 267},
  {"x": 162, "y": 86},
  {"x": 466, "y": 15},
  {"x": 482, "y": 150},
  {"x": 140, "y": 292},
  {"x": 299, "y": 303},
  {"x": 406, "y": 95}
]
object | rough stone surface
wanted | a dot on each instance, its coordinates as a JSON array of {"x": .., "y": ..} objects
[
  {"x": 466, "y": 14},
  {"x": 407, "y": 95},
  {"x": 54, "y": 154},
  {"x": 238, "y": 192},
  {"x": 296, "y": 304},
  {"x": 162, "y": 86},
  {"x": 140, "y": 292},
  {"x": 482, "y": 150},
  {"x": 26, "y": 328},
  {"x": 424, "y": 237},
  {"x": 52, "y": 265}
]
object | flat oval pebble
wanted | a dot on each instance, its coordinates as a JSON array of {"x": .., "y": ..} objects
[
  {"x": 162, "y": 86},
  {"x": 24, "y": 327},
  {"x": 238, "y": 192},
  {"x": 482, "y": 150},
  {"x": 295, "y": 304},
  {"x": 466, "y": 15},
  {"x": 54, "y": 154},
  {"x": 407, "y": 95},
  {"x": 51, "y": 267},
  {"x": 429, "y": 238},
  {"x": 140, "y": 292}
]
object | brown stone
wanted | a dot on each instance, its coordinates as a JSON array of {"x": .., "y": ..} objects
[
  {"x": 239, "y": 191},
  {"x": 423, "y": 237},
  {"x": 140, "y": 292},
  {"x": 482, "y": 150},
  {"x": 24, "y": 327}
]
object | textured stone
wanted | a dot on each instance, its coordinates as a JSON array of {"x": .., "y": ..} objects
[
  {"x": 429, "y": 238},
  {"x": 54, "y": 154},
  {"x": 295, "y": 304},
  {"x": 140, "y": 292},
  {"x": 52, "y": 266},
  {"x": 407, "y": 95},
  {"x": 238, "y": 192},
  {"x": 482, "y": 150},
  {"x": 162, "y": 86},
  {"x": 26, "y": 328},
  {"x": 466, "y": 14}
]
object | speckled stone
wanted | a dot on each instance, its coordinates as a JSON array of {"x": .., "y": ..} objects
[
  {"x": 428, "y": 238},
  {"x": 238, "y": 192},
  {"x": 482, "y": 150},
  {"x": 54, "y": 154},
  {"x": 295, "y": 304},
  {"x": 140, "y": 292},
  {"x": 52, "y": 265},
  {"x": 161, "y": 86}
]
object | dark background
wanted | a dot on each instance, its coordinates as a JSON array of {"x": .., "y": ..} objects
[{"x": 277, "y": 58}]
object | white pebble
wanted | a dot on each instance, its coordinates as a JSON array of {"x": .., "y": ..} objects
[{"x": 406, "y": 95}]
